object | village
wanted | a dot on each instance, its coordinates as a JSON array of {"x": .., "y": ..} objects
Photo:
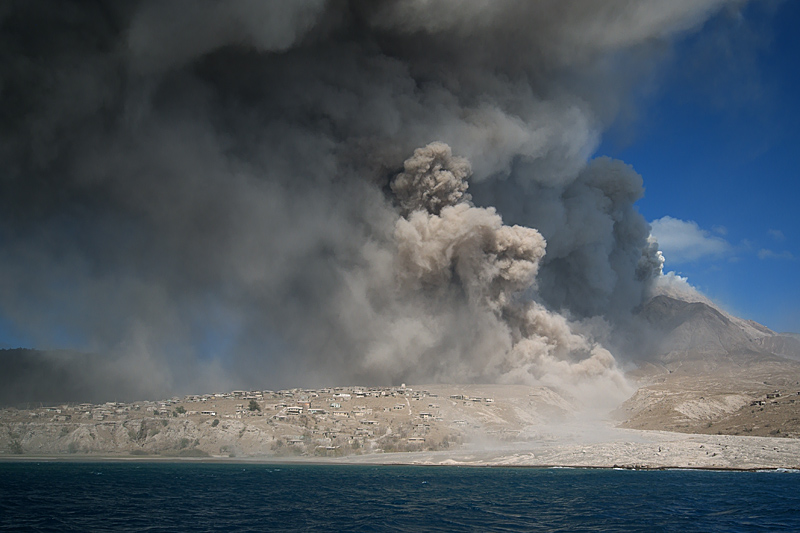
[
  {"x": 352, "y": 422},
  {"x": 322, "y": 422}
]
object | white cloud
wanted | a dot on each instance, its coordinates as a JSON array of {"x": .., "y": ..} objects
[
  {"x": 776, "y": 234},
  {"x": 683, "y": 241},
  {"x": 769, "y": 254},
  {"x": 677, "y": 286}
]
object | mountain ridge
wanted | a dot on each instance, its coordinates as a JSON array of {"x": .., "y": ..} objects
[
  {"x": 711, "y": 372},
  {"x": 696, "y": 329}
]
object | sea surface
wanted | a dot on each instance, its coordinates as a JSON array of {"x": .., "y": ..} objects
[{"x": 155, "y": 497}]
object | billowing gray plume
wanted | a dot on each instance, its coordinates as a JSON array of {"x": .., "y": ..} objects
[{"x": 261, "y": 194}]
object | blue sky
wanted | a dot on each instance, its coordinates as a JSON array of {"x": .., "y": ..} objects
[{"x": 716, "y": 142}]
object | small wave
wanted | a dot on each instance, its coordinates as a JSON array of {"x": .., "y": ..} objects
[{"x": 780, "y": 470}]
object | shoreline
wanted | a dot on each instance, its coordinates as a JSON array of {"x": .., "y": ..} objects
[
  {"x": 619, "y": 449},
  {"x": 316, "y": 462}
]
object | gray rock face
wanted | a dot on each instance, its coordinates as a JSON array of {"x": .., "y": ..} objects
[
  {"x": 783, "y": 344},
  {"x": 692, "y": 330}
]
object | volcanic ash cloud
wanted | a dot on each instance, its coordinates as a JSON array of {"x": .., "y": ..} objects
[
  {"x": 211, "y": 193},
  {"x": 445, "y": 244}
]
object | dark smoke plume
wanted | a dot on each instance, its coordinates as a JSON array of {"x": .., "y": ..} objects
[{"x": 259, "y": 194}]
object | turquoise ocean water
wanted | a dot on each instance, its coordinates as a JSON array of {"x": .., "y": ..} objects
[{"x": 166, "y": 497}]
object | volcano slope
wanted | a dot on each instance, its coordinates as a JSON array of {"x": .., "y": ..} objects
[{"x": 710, "y": 372}]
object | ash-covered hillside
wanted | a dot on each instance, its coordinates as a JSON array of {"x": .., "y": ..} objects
[
  {"x": 711, "y": 372},
  {"x": 700, "y": 330}
]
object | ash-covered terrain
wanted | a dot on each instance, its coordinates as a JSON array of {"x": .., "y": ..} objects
[
  {"x": 712, "y": 375},
  {"x": 326, "y": 422}
]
